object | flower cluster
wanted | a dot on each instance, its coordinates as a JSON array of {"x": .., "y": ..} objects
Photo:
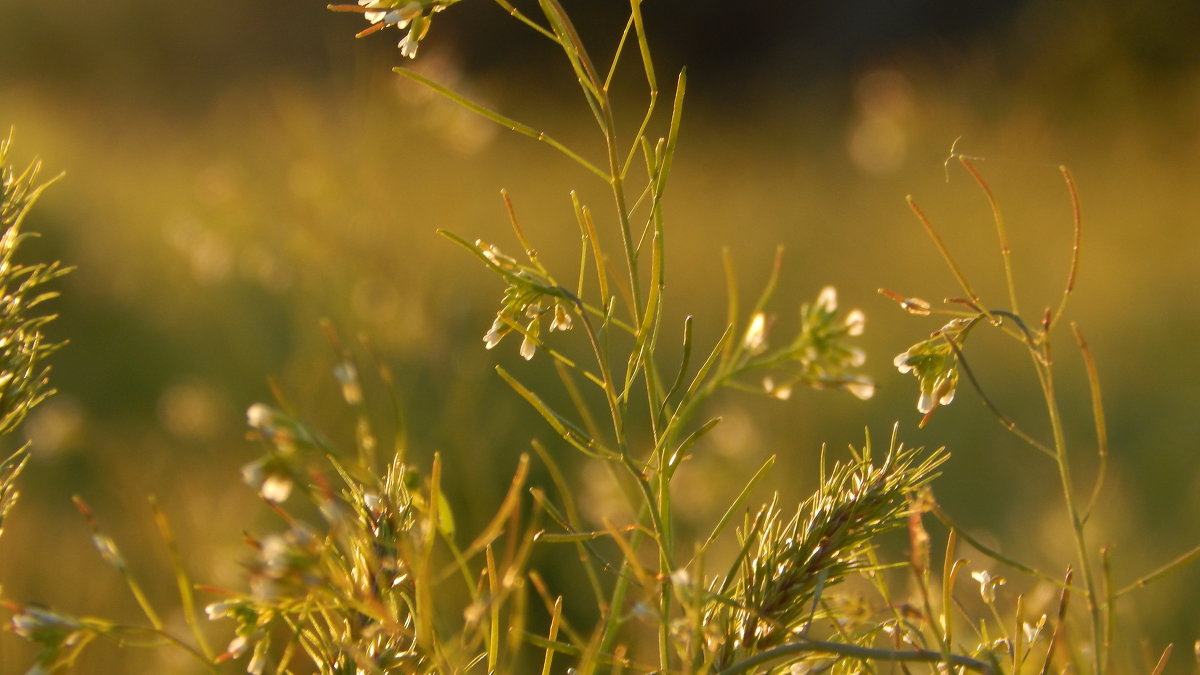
[
  {"x": 60, "y": 638},
  {"x": 353, "y": 564},
  {"x": 274, "y": 474},
  {"x": 416, "y": 17},
  {"x": 526, "y": 301},
  {"x": 819, "y": 356},
  {"x": 934, "y": 362}
]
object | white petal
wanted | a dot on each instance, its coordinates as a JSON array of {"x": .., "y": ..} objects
[
  {"x": 237, "y": 646},
  {"x": 863, "y": 389},
  {"x": 827, "y": 299},
  {"x": 756, "y": 334},
  {"x": 925, "y": 403},
  {"x": 276, "y": 489},
  {"x": 915, "y": 306},
  {"x": 408, "y": 47},
  {"x": 259, "y": 415},
  {"x": 528, "y": 348},
  {"x": 855, "y": 321}
]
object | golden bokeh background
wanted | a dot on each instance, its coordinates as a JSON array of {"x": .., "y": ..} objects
[{"x": 235, "y": 172}]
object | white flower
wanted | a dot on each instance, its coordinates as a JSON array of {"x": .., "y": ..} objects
[
  {"x": 562, "y": 318},
  {"x": 863, "y": 389},
  {"x": 857, "y": 357},
  {"x": 987, "y": 584},
  {"x": 756, "y": 334},
  {"x": 373, "y": 503},
  {"x": 347, "y": 374},
  {"x": 497, "y": 332},
  {"x": 915, "y": 306},
  {"x": 258, "y": 662},
  {"x": 398, "y": 17},
  {"x": 276, "y": 488},
  {"x": 221, "y": 609},
  {"x": 943, "y": 391},
  {"x": 259, "y": 416},
  {"x": 1032, "y": 631},
  {"x": 855, "y": 321},
  {"x": 529, "y": 344},
  {"x": 408, "y": 46},
  {"x": 108, "y": 550},
  {"x": 681, "y": 577},
  {"x": 782, "y": 393},
  {"x": 827, "y": 300},
  {"x": 237, "y": 646}
]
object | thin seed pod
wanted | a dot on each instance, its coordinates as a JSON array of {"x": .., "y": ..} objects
[
  {"x": 1169, "y": 568},
  {"x": 493, "y": 631},
  {"x": 1162, "y": 660},
  {"x": 684, "y": 362},
  {"x": 555, "y": 619},
  {"x": 1110, "y": 603},
  {"x": 516, "y": 13},
  {"x": 1001, "y": 232},
  {"x": 950, "y": 568},
  {"x": 1093, "y": 377},
  {"x": 941, "y": 247},
  {"x": 503, "y": 121},
  {"x": 734, "y": 507},
  {"x": 576, "y": 396},
  {"x": 731, "y": 298},
  {"x": 1077, "y": 226},
  {"x": 183, "y": 582},
  {"x": 1063, "y": 601},
  {"x": 620, "y": 49},
  {"x": 1018, "y": 634},
  {"x": 508, "y": 506}
]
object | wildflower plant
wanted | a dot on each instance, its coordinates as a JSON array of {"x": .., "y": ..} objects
[
  {"x": 940, "y": 361},
  {"x": 365, "y": 568}
]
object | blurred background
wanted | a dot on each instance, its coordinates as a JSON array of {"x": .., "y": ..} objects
[{"x": 237, "y": 171}]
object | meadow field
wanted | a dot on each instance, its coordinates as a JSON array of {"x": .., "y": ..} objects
[{"x": 243, "y": 179}]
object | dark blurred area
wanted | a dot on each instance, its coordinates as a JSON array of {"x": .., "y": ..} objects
[{"x": 237, "y": 171}]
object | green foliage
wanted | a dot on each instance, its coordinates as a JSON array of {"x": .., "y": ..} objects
[
  {"x": 775, "y": 590},
  {"x": 367, "y": 570},
  {"x": 24, "y": 381},
  {"x": 23, "y": 347}
]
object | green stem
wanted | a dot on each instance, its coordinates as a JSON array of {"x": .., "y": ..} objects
[
  {"x": 503, "y": 121},
  {"x": 858, "y": 652},
  {"x": 1077, "y": 523}
]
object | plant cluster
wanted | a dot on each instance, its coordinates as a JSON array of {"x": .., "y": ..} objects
[{"x": 368, "y": 571}]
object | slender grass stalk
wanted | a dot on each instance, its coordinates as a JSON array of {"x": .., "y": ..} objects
[
  {"x": 1073, "y": 514},
  {"x": 868, "y": 654},
  {"x": 1171, "y": 567},
  {"x": 183, "y": 581}
]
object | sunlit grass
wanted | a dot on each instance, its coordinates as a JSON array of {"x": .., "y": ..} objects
[{"x": 228, "y": 233}]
